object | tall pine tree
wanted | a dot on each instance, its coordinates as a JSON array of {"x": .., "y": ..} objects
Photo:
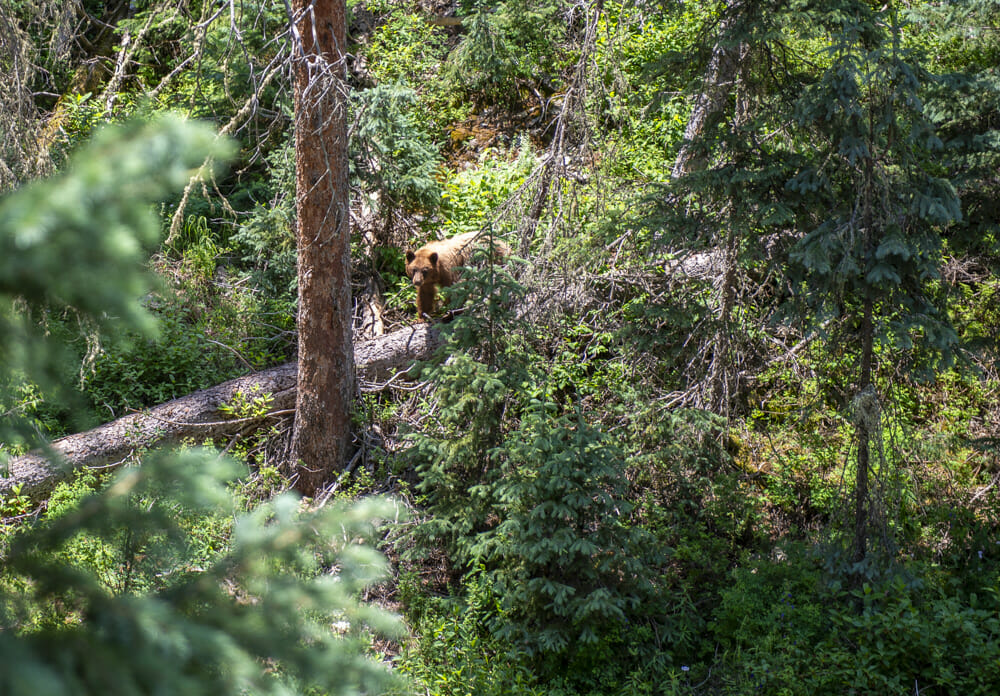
[{"x": 883, "y": 203}]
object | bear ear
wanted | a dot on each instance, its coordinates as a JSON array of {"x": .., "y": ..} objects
[
  {"x": 434, "y": 258},
  {"x": 410, "y": 255}
]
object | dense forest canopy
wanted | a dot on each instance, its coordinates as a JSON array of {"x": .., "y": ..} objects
[{"x": 724, "y": 421}]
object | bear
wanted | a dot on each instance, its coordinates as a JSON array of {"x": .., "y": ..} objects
[{"x": 435, "y": 265}]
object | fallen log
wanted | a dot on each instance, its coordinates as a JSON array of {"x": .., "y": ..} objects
[{"x": 200, "y": 415}]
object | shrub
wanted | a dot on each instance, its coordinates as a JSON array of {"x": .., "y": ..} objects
[
  {"x": 141, "y": 371},
  {"x": 565, "y": 563},
  {"x": 528, "y": 496}
]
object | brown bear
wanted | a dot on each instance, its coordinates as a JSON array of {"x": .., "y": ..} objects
[{"x": 435, "y": 265}]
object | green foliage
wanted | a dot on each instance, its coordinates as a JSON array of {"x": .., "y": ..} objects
[
  {"x": 392, "y": 153},
  {"x": 236, "y": 48},
  {"x": 155, "y": 584},
  {"x": 198, "y": 246},
  {"x": 884, "y": 204},
  {"x": 770, "y": 617},
  {"x": 531, "y": 495},
  {"x": 901, "y": 642},
  {"x": 235, "y": 291},
  {"x": 460, "y": 451},
  {"x": 264, "y": 239},
  {"x": 267, "y": 247},
  {"x": 77, "y": 242},
  {"x": 140, "y": 371},
  {"x": 83, "y": 115},
  {"x": 135, "y": 611},
  {"x": 691, "y": 495},
  {"x": 787, "y": 633},
  {"x": 644, "y": 62},
  {"x": 471, "y": 197},
  {"x": 23, "y": 403},
  {"x": 404, "y": 50},
  {"x": 508, "y": 46},
  {"x": 565, "y": 562},
  {"x": 454, "y": 653},
  {"x": 249, "y": 404},
  {"x": 15, "y": 504},
  {"x": 963, "y": 103}
]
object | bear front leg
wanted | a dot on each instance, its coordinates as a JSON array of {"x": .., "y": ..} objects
[{"x": 425, "y": 301}]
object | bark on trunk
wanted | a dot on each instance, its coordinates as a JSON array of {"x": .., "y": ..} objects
[
  {"x": 322, "y": 429},
  {"x": 198, "y": 416}
]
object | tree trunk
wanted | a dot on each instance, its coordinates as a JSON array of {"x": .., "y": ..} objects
[
  {"x": 865, "y": 415},
  {"x": 720, "y": 76},
  {"x": 322, "y": 429},
  {"x": 198, "y": 415},
  {"x": 866, "y": 403}
]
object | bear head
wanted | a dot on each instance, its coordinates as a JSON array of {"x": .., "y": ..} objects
[{"x": 422, "y": 266}]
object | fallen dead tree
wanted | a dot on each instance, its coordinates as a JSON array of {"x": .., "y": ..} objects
[{"x": 201, "y": 415}]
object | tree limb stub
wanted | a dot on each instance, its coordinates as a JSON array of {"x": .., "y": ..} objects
[{"x": 199, "y": 415}]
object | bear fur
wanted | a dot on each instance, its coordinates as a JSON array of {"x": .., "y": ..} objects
[{"x": 435, "y": 265}]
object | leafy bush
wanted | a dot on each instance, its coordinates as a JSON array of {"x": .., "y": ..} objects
[
  {"x": 507, "y": 46},
  {"x": 900, "y": 643},
  {"x": 471, "y": 197},
  {"x": 143, "y": 372},
  {"x": 454, "y": 653},
  {"x": 785, "y": 628},
  {"x": 770, "y": 618}
]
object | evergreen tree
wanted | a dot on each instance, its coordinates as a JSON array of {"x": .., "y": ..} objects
[
  {"x": 834, "y": 163},
  {"x": 963, "y": 102},
  {"x": 529, "y": 498},
  {"x": 725, "y": 198},
  {"x": 877, "y": 249}
]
